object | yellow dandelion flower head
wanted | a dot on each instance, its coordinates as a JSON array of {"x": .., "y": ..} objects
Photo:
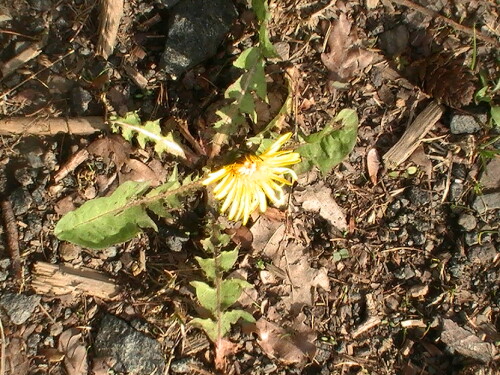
[{"x": 246, "y": 184}]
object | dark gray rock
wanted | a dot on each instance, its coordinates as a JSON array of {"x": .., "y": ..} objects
[
  {"x": 467, "y": 221},
  {"x": 19, "y": 307},
  {"x": 134, "y": 352},
  {"x": 80, "y": 99},
  {"x": 21, "y": 201},
  {"x": 395, "y": 41},
  {"x": 482, "y": 254},
  {"x": 487, "y": 202},
  {"x": 196, "y": 29},
  {"x": 4, "y": 265},
  {"x": 418, "y": 196},
  {"x": 461, "y": 123}
]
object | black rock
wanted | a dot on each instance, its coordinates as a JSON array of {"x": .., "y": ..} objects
[
  {"x": 19, "y": 307},
  {"x": 21, "y": 201},
  {"x": 134, "y": 352},
  {"x": 196, "y": 29},
  {"x": 418, "y": 196},
  {"x": 80, "y": 99}
]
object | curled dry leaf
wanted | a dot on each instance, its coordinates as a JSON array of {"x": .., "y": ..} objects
[
  {"x": 345, "y": 59},
  {"x": 75, "y": 359},
  {"x": 373, "y": 165}
]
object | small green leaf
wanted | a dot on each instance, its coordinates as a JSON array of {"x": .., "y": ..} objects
[
  {"x": 265, "y": 44},
  {"x": 261, "y": 10},
  {"x": 330, "y": 146},
  {"x": 106, "y": 221},
  {"x": 206, "y": 295},
  {"x": 162, "y": 207},
  {"x": 208, "y": 325},
  {"x": 248, "y": 58},
  {"x": 226, "y": 260},
  {"x": 230, "y": 291},
  {"x": 481, "y": 95},
  {"x": 232, "y": 316},
  {"x": 495, "y": 115}
]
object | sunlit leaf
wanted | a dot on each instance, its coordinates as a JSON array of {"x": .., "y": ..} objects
[
  {"x": 495, "y": 115},
  {"x": 230, "y": 291},
  {"x": 330, "y": 146},
  {"x": 106, "y": 221},
  {"x": 225, "y": 260}
]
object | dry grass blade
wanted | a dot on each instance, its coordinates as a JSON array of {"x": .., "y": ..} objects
[{"x": 111, "y": 12}]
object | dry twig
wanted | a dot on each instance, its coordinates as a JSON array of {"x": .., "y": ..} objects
[
  {"x": 52, "y": 125},
  {"x": 431, "y": 13},
  {"x": 12, "y": 237}
]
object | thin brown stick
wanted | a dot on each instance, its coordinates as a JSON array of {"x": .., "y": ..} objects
[
  {"x": 431, "y": 13},
  {"x": 111, "y": 12},
  {"x": 52, "y": 125},
  {"x": 74, "y": 161},
  {"x": 2, "y": 350},
  {"x": 12, "y": 237}
]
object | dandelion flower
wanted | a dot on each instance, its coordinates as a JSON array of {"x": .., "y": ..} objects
[{"x": 247, "y": 184}]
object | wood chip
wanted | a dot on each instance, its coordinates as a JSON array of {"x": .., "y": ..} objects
[
  {"x": 52, "y": 126},
  {"x": 51, "y": 279},
  {"x": 111, "y": 12},
  {"x": 413, "y": 135},
  {"x": 22, "y": 58}
]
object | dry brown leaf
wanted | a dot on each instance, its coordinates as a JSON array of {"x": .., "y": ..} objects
[
  {"x": 319, "y": 198},
  {"x": 466, "y": 343},
  {"x": 16, "y": 360},
  {"x": 75, "y": 359},
  {"x": 224, "y": 348},
  {"x": 373, "y": 165},
  {"x": 290, "y": 257},
  {"x": 111, "y": 12},
  {"x": 289, "y": 345},
  {"x": 112, "y": 148},
  {"x": 345, "y": 59}
]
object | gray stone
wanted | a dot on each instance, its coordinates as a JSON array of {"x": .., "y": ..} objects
[
  {"x": 196, "y": 29},
  {"x": 466, "y": 124},
  {"x": 467, "y": 221},
  {"x": 482, "y": 254},
  {"x": 19, "y": 307},
  {"x": 395, "y": 41},
  {"x": 418, "y": 196},
  {"x": 487, "y": 202},
  {"x": 134, "y": 352},
  {"x": 490, "y": 178}
]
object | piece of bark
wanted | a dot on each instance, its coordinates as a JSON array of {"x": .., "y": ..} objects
[
  {"x": 74, "y": 161},
  {"x": 413, "y": 135},
  {"x": 52, "y": 279},
  {"x": 135, "y": 76},
  {"x": 111, "y": 12},
  {"x": 12, "y": 237},
  {"x": 21, "y": 58},
  {"x": 52, "y": 125}
]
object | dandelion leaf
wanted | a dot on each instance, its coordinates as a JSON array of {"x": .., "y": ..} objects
[
  {"x": 162, "y": 207},
  {"x": 208, "y": 325},
  {"x": 150, "y": 131},
  {"x": 331, "y": 145},
  {"x": 228, "y": 319},
  {"x": 230, "y": 291},
  {"x": 495, "y": 115},
  {"x": 106, "y": 221},
  {"x": 226, "y": 260}
]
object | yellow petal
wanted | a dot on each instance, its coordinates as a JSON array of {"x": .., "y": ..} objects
[{"x": 214, "y": 176}]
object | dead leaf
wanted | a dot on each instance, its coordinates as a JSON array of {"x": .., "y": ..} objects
[
  {"x": 75, "y": 359},
  {"x": 135, "y": 170},
  {"x": 466, "y": 343},
  {"x": 224, "y": 348},
  {"x": 373, "y": 164},
  {"x": 290, "y": 256},
  {"x": 420, "y": 158},
  {"x": 16, "y": 360},
  {"x": 345, "y": 59},
  {"x": 289, "y": 345},
  {"x": 112, "y": 148},
  {"x": 319, "y": 198}
]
